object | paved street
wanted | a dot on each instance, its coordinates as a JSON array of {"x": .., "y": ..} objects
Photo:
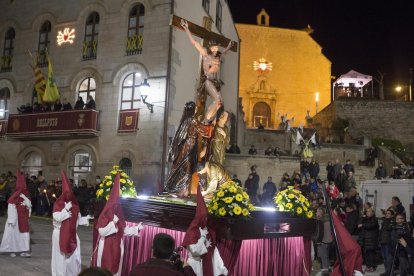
[{"x": 41, "y": 244}]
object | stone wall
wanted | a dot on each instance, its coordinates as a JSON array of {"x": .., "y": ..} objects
[{"x": 370, "y": 118}]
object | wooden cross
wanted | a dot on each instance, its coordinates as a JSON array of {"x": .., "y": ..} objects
[{"x": 203, "y": 33}]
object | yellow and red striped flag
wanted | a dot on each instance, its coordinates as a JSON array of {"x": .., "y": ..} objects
[{"x": 40, "y": 83}]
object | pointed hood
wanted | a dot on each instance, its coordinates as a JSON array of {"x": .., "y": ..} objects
[
  {"x": 111, "y": 255},
  {"x": 67, "y": 240},
  {"x": 22, "y": 210}
]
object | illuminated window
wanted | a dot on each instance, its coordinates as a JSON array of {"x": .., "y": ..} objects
[
  {"x": 126, "y": 165},
  {"x": 206, "y": 5},
  {"x": 32, "y": 163},
  {"x": 130, "y": 91},
  {"x": 80, "y": 165},
  {"x": 6, "y": 59},
  {"x": 87, "y": 88},
  {"x": 4, "y": 103},
  {"x": 219, "y": 11},
  {"x": 90, "y": 42},
  {"x": 44, "y": 42},
  {"x": 135, "y": 29},
  {"x": 261, "y": 114}
]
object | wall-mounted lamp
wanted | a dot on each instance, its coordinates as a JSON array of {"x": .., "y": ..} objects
[{"x": 144, "y": 87}]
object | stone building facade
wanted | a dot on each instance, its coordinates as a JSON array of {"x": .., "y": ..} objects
[
  {"x": 281, "y": 70},
  {"x": 118, "y": 45}
]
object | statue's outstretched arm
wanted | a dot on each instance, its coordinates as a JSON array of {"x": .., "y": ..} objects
[{"x": 198, "y": 46}]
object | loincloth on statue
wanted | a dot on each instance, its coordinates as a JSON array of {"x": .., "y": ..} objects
[{"x": 202, "y": 91}]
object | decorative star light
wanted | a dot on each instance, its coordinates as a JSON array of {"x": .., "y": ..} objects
[
  {"x": 262, "y": 66},
  {"x": 67, "y": 36}
]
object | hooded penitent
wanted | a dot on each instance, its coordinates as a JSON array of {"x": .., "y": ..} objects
[
  {"x": 193, "y": 233},
  {"x": 22, "y": 210},
  {"x": 67, "y": 238},
  {"x": 111, "y": 255}
]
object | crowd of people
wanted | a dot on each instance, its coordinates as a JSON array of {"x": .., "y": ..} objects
[
  {"x": 57, "y": 106},
  {"x": 43, "y": 193}
]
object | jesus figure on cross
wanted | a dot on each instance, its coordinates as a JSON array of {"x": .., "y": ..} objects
[{"x": 211, "y": 68}]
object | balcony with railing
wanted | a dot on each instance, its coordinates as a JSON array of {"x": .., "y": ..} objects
[
  {"x": 6, "y": 63},
  {"x": 134, "y": 44},
  {"x": 49, "y": 125},
  {"x": 90, "y": 48}
]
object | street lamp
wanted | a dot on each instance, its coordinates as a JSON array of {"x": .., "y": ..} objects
[
  {"x": 144, "y": 88},
  {"x": 316, "y": 102},
  {"x": 400, "y": 88}
]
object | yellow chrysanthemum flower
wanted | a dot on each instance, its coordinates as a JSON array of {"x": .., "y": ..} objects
[
  {"x": 245, "y": 195},
  {"x": 232, "y": 190},
  {"x": 222, "y": 212},
  {"x": 215, "y": 206},
  {"x": 296, "y": 191},
  {"x": 113, "y": 172},
  {"x": 245, "y": 212},
  {"x": 228, "y": 200},
  {"x": 309, "y": 214},
  {"x": 251, "y": 207},
  {"x": 307, "y": 203},
  {"x": 299, "y": 210},
  {"x": 291, "y": 196},
  {"x": 305, "y": 208},
  {"x": 289, "y": 205},
  {"x": 123, "y": 181},
  {"x": 108, "y": 177},
  {"x": 279, "y": 198},
  {"x": 237, "y": 210},
  {"x": 99, "y": 192},
  {"x": 101, "y": 185},
  {"x": 239, "y": 197},
  {"x": 108, "y": 183},
  {"x": 220, "y": 194}
]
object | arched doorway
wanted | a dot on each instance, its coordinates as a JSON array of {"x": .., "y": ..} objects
[{"x": 261, "y": 114}]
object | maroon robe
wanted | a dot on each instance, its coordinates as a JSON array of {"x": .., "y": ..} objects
[{"x": 22, "y": 210}]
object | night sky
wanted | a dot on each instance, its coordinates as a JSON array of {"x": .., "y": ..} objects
[{"x": 362, "y": 35}]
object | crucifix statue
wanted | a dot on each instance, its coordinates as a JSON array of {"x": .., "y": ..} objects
[
  {"x": 190, "y": 146},
  {"x": 209, "y": 82}
]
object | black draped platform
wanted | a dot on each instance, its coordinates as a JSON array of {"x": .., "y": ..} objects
[{"x": 177, "y": 214}]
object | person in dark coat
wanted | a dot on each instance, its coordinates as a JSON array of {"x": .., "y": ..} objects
[
  {"x": 162, "y": 249},
  {"x": 313, "y": 169},
  {"x": 380, "y": 172},
  {"x": 251, "y": 186},
  {"x": 385, "y": 236},
  {"x": 79, "y": 103},
  {"x": 348, "y": 167},
  {"x": 269, "y": 191},
  {"x": 400, "y": 231},
  {"x": 340, "y": 181},
  {"x": 369, "y": 237},
  {"x": 396, "y": 203},
  {"x": 304, "y": 168},
  {"x": 90, "y": 103},
  {"x": 351, "y": 222},
  {"x": 330, "y": 172}
]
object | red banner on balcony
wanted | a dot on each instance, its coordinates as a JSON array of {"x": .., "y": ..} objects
[
  {"x": 64, "y": 123},
  {"x": 3, "y": 127},
  {"x": 128, "y": 120}
]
